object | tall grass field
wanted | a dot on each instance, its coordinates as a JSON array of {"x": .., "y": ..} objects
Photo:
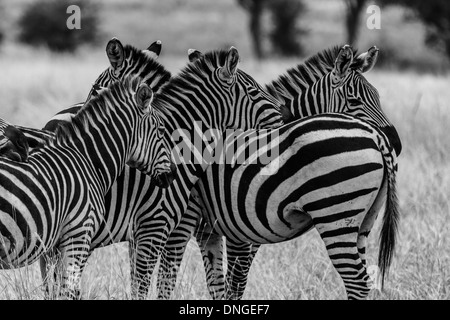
[{"x": 35, "y": 84}]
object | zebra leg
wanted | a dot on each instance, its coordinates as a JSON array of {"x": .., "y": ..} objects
[
  {"x": 59, "y": 279},
  {"x": 145, "y": 248},
  {"x": 341, "y": 245},
  {"x": 170, "y": 262},
  {"x": 173, "y": 252},
  {"x": 240, "y": 257},
  {"x": 75, "y": 250},
  {"x": 138, "y": 274},
  {"x": 211, "y": 246},
  {"x": 48, "y": 267}
]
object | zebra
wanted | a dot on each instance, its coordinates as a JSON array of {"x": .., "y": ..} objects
[
  {"x": 307, "y": 90},
  {"x": 125, "y": 60},
  {"x": 211, "y": 93},
  {"x": 333, "y": 172},
  {"x": 54, "y": 202}
]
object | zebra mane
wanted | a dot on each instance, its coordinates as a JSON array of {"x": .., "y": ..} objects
[
  {"x": 152, "y": 68},
  {"x": 4, "y": 124},
  {"x": 98, "y": 107},
  {"x": 302, "y": 76},
  {"x": 189, "y": 75}
]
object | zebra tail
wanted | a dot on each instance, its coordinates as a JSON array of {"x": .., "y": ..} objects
[{"x": 391, "y": 217}]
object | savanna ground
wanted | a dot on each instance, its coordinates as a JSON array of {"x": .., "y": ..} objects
[{"x": 35, "y": 84}]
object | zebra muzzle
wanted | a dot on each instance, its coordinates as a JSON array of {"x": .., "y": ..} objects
[{"x": 164, "y": 179}]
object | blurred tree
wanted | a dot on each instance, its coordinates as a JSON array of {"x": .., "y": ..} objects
[
  {"x": 354, "y": 9},
  {"x": 435, "y": 14},
  {"x": 255, "y": 9},
  {"x": 44, "y": 22},
  {"x": 286, "y": 34}
]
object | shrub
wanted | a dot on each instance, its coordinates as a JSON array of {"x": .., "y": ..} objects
[
  {"x": 435, "y": 14},
  {"x": 44, "y": 23}
]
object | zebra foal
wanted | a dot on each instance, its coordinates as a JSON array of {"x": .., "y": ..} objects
[{"x": 55, "y": 201}]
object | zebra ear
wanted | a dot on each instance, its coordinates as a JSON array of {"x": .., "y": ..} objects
[
  {"x": 194, "y": 55},
  {"x": 366, "y": 60},
  {"x": 154, "y": 50},
  {"x": 144, "y": 96},
  {"x": 115, "y": 52},
  {"x": 343, "y": 61},
  {"x": 231, "y": 64}
]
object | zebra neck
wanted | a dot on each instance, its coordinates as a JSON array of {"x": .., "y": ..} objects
[
  {"x": 103, "y": 142},
  {"x": 306, "y": 100},
  {"x": 191, "y": 119},
  {"x": 192, "y": 147},
  {"x": 191, "y": 130},
  {"x": 156, "y": 78}
]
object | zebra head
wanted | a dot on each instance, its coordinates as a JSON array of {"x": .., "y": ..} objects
[
  {"x": 125, "y": 61},
  {"x": 357, "y": 96},
  {"x": 252, "y": 107},
  {"x": 150, "y": 152}
]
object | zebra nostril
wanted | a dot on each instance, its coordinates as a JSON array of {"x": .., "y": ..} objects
[{"x": 164, "y": 179}]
